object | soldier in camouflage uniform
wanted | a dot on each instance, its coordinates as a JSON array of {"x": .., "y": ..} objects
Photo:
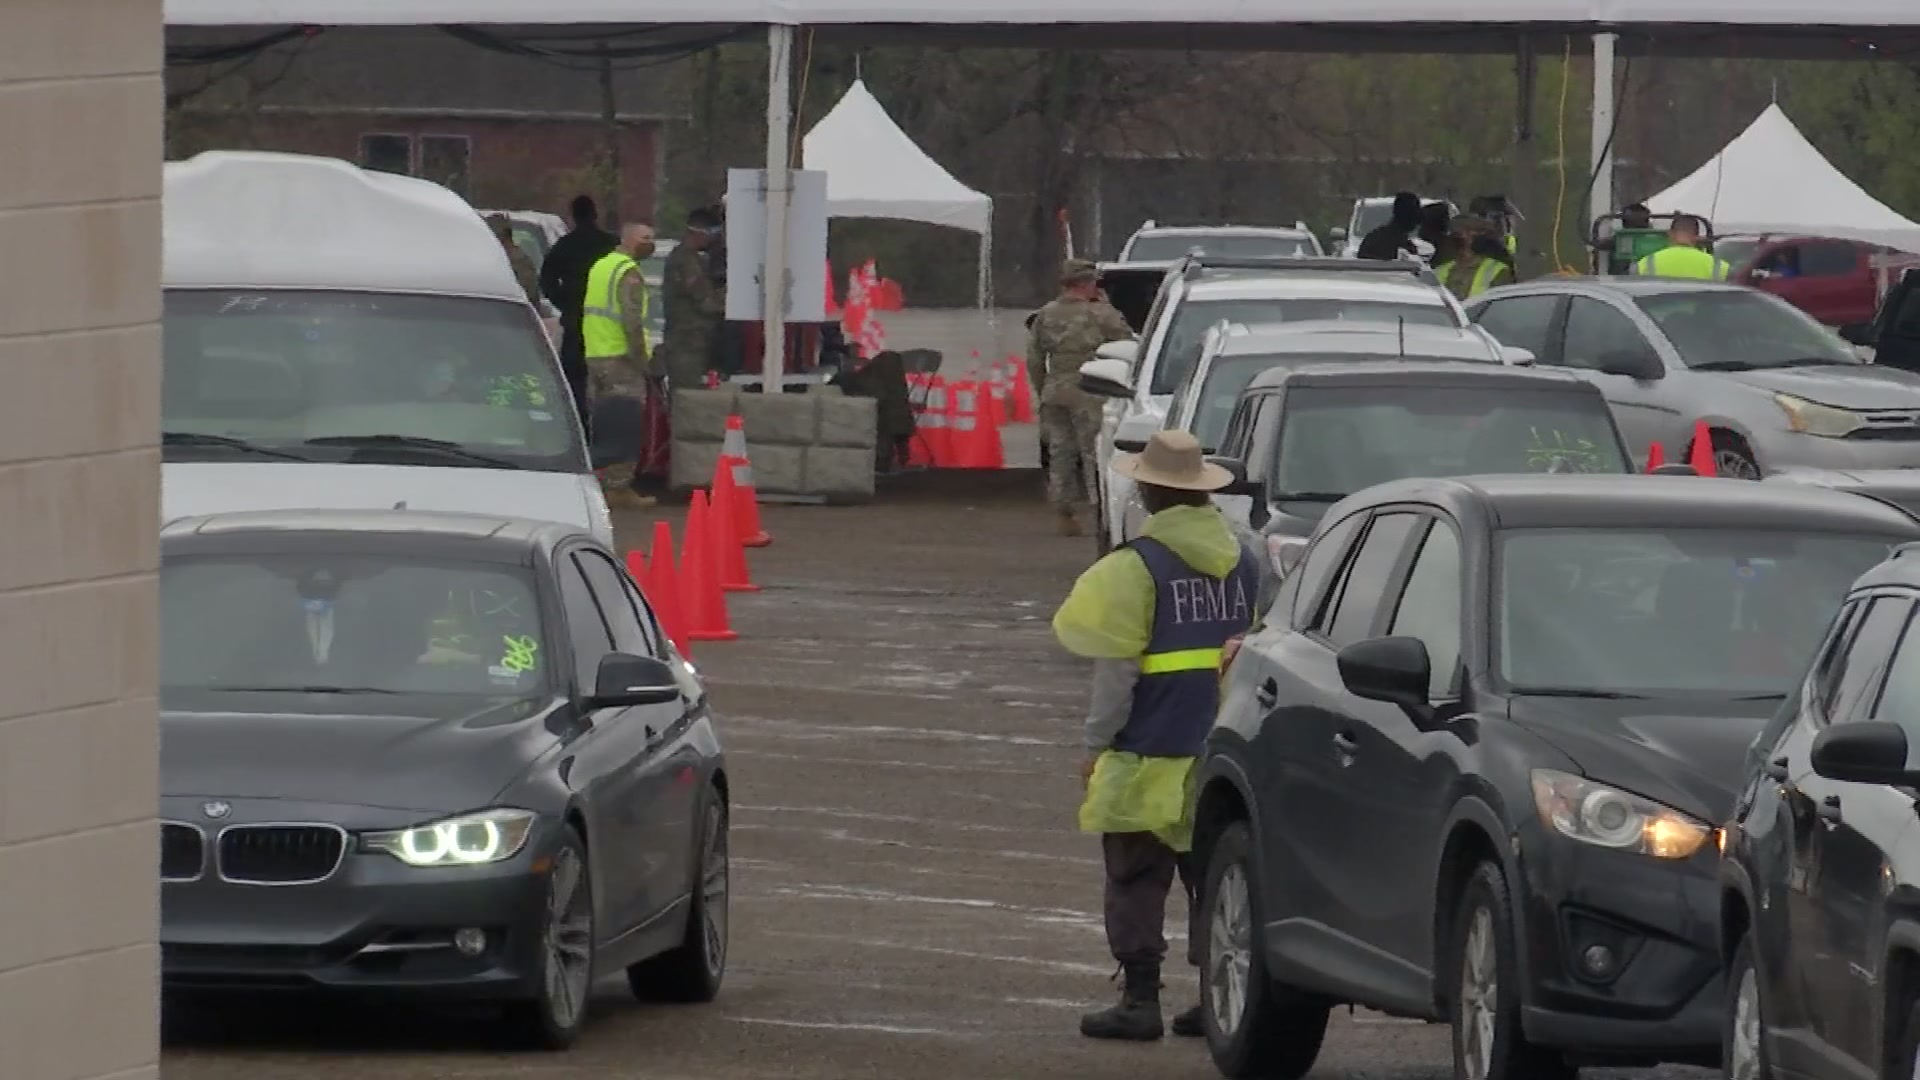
[
  {"x": 1062, "y": 336},
  {"x": 619, "y": 363},
  {"x": 523, "y": 269},
  {"x": 696, "y": 305}
]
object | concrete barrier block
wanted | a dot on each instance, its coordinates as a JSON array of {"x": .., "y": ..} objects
[
  {"x": 838, "y": 473},
  {"x": 779, "y": 470},
  {"x": 693, "y": 461},
  {"x": 846, "y": 421},
  {"x": 702, "y": 414},
  {"x": 787, "y": 419}
]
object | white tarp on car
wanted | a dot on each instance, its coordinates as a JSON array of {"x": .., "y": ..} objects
[
  {"x": 822, "y": 12},
  {"x": 875, "y": 171},
  {"x": 1770, "y": 179}
]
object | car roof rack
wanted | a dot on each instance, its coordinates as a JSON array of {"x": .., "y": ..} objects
[{"x": 1192, "y": 266}]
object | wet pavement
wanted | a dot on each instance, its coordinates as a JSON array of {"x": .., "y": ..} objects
[{"x": 910, "y": 896}]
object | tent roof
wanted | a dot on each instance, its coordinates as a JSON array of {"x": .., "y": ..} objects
[
  {"x": 1858, "y": 13},
  {"x": 1771, "y": 179},
  {"x": 875, "y": 171}
]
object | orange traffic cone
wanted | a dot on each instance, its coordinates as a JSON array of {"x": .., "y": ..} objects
[
  {"x": 746, "y": 500},
  {"x": 1656, "y": 456},
  {"x": 934, "y": 432},
  {"x": 729, "y": 558},
  {"x": 662, "y": 588},
  {"x": 705, "y": 605},
  {"x": 1023, "y": 411},
  {"x": 1701, "y": 457},
  {"x": 999, "y": 383},
  {"x": 983, "y": 450}
]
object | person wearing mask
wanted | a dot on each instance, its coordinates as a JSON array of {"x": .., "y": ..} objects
[
  {"x": 614, "y": 331},
  {"x": 563, "y": 281},
  {"x": 523, "y": 269},
  {"x": 1435, "y": 230},
  {"x": 696, "y": 304},
  {"x": 1062, "y": 336},
  {"x": 1155, "y": 616},
  {"x": 1391, "y": 240},
  {"x": 1480, "y": 262},
  {"x": 1683, "y": 257}
]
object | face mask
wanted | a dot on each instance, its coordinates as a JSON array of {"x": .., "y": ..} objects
[{"x": 644, "y": 250}]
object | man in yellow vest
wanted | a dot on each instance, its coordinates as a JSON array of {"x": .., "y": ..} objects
[
  {"x": 1480, "y": 262},
  {"x": 1683, "y": 257},
  {"x": 613, "y": 326}
]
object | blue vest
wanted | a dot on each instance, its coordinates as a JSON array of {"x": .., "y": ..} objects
[{"x": 1194, "y": 614}]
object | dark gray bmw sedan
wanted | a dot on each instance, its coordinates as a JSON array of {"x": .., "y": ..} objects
[{"x": 441, "y": 754}]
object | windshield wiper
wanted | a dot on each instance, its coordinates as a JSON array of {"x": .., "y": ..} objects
[
  {"x": 223, "y": 442},
  {"x": 1724, "y": 365},
  {"x": 302, "y": 689},
  {"x": 1308, "y": 496},
  {"x": 1817, "y": 361},
  {"x": 1573, "y": 692},
  {"x": 412, "y": 442}
]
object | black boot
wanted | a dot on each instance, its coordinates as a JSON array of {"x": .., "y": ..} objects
[
  {"x": 1191, "y": 1024},
  {"x": 1137, "y": 1017}
]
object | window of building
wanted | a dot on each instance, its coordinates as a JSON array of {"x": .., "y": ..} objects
[
  {"x": 387, "y": 153},
  {"x": 444, "y": 160}
]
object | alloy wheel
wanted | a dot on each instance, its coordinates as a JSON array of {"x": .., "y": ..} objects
[
  {"x": 1743, "y": 1049},
  {"x": 569, "y": 939},
  {"x": 713, "y": 893},
  {"x": 1735, "y": 465},
  {"x": 1230, "y": 950},
  {"x": 1479, "y": 995}
]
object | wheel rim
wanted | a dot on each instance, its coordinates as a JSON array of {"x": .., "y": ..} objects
[
  {"x": 1734, "y": 464},
  {"x": 569, "y": 938},
  {"x": 1479, "y": 995},
  {"x": 713, "y": 893},
  {"x": 1230, "y": 950},
  {"x": 1743, "y": 1049}
]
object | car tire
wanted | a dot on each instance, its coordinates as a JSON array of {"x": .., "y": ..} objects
[
  {"x": 1743, "y": 1038},
  {"x": 552, "y": 1018},
  {"x": 1484, "y": 1001},
  {"x": 691, "y": 972},
  {"x": 1733, "y": 458},
  {"x": 1268, "y": 1031}
]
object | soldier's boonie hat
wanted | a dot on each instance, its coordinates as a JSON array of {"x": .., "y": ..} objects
[
  {"x": 1470, "y": 224},
  {"x": 1078, "y": 272},
  {"x": 1173, "y": 459}
]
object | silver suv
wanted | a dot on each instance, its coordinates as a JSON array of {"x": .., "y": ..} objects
[{"x": 1154, "y": 242}]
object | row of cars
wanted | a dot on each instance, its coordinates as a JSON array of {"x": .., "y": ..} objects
[
  {"x": 1579, "y": 762},
  {"x": 420, "y": 732}
]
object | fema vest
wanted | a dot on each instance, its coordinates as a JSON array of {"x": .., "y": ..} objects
[
  {"x": 1194, "y": 614},
  {"x": 602, "y": 330},
  {"x": 1483, "y": 275},
  {"x": 1682, "y": 261}
]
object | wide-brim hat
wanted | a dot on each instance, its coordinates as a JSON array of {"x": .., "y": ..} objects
[{"x": 1172, "y": 459}]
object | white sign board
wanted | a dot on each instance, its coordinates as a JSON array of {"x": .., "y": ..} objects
[{"x": 806, "y": 283}]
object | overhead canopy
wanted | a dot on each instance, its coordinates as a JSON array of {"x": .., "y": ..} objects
[
  {"x": 1860, "y": 13},
  {"x": 1770, "y": 179},
  {"x": 875, "y": 171}
]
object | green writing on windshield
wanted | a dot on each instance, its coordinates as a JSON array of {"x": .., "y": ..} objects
[
  {"x": 522, "y": 653},
  {"x": 1570, "y": 453}
]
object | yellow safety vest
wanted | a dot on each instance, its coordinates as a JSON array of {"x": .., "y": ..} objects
[
  {"x": 1483, "y": 275},
  {"x": 602, "y": 330},
  {"x": 1132, "y": 793},
  {"x": 1681, "y": 261}
]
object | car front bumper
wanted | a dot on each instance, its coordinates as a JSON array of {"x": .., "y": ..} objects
[
  {"x": 1787, "y": 449},
  {"x": 1663, "y": 998}
]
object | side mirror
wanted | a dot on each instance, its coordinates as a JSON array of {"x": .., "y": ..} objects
[
  {"x": 1107, "y": 377},
  {"x": 1134, "y": 431},
  {"x": 1516, "y": 356},
  {"x": 1860, "y": 334},
  {"x": 1124, "y": 351},
  {"x": 1865, "y": 752},
  {"x": 1632, "y": 363},
  {"x": 624, "y": 680},
  {"x": 1285, "y": 552},
  {"x": 1239, "y": 485},
  {"x": 1337, "y": 234},
  {"x": 1395, "y": 670}
]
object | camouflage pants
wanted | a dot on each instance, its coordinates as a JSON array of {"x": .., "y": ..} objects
[
  {"x": 620, "y": 376},
  {"x": 686, "y": 357},
  {"x": 1073, "y": 465}
]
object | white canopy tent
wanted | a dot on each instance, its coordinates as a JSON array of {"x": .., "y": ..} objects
[
  {"x": 875, "y": 171},
  {"x": 1770, "y": 179}
]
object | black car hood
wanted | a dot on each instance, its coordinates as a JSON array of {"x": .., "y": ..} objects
[
  {"x": 434, "y": 754},
  {"x": 1689, "y": 755}
]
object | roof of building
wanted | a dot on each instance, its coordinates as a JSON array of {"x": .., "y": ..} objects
[{"x": 254, "y": 220}]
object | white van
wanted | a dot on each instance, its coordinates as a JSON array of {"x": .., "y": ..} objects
[{"x": 343, "y": 339}]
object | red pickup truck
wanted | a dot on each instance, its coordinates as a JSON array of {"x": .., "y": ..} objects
[{"x": 1835, "y": 281}]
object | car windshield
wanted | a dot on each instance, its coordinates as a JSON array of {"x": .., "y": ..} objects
[
  {"x": 1733, "y": 612},
  {"x": 1167, "y": 247},
  {"x": 1187, "y": 334},
  {"x": 1336, "y": 440},
  {"x": 1737, "y": 252},
  {"x": 276, "y": 370},
  {"x": 1742, "y": 330},
  {"x": 1371, "y": 216},
  {"x": 348, "y": 624}
]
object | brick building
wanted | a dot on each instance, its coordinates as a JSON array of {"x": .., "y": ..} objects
[{"x": 505, "y": 131}]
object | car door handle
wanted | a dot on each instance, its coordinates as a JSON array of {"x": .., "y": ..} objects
[
  {"x": 1830, "y": 809},
  {"x": 1268, "y": 695},
  {"x": 1346, "y": 744},
  {"x": 1777, "y": 768}
]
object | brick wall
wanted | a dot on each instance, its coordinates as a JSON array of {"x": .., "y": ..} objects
[{"x": 80, "y": 106}]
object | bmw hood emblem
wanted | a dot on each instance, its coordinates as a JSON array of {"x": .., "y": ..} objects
[{"x": 216, "y": 809}]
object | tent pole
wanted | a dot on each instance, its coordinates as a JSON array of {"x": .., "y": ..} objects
[
  {"x": 1601, "y": 160},
  {"x": 774, "y": 276}
]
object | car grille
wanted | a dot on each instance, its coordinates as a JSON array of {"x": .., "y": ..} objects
[
  {"x": 182, "y": 851},
  {"x": 281, "y": 854},
  {"x": 1899, "y": 425}
]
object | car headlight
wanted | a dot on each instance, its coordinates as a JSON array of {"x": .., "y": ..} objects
[
  {"x": 1608, "y": 817},
  {"x": 1813, "y": 418},
  {"x": 489, "y": 836}
]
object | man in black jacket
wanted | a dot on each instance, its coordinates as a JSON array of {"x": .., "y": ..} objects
[
  {"x": 1396, "y": 236},
  {"x": 563, "y": 280}
]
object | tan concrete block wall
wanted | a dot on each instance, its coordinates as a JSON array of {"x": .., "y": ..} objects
[{"x": 81, "y": 111}]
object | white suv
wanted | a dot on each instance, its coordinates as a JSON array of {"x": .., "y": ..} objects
[
  {"x": 1154, "y": 242},
  {"x": 1370, "y": 214},
  {"x": 1197, "y": 293}
]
